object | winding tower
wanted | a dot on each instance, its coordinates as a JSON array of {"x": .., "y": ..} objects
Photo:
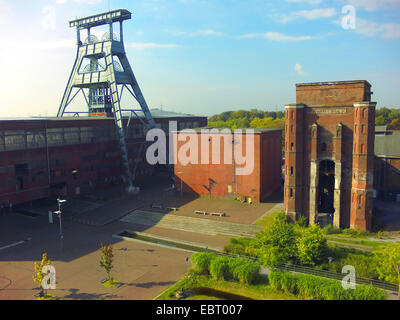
[{"x": 100, "y": 72}]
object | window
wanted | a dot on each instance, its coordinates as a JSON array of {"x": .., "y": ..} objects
[
  {"x": 291, "y": 170},
  {"x": 292, "y": 146},
  {"x": 323, "y": 146},
  {"x": 291, "y": 192}
]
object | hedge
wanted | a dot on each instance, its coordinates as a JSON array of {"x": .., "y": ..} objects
[
  {"x": 202, "y": 260},
  {"x": 313, "y": 287}
]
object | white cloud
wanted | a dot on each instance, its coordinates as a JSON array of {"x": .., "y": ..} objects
[
  {"x": 198, "y": 33},
  {"x": 385, "y": 30},
  {"x": 275, "y": 36},
  {"x": 308, "y": 14},
  {"x": 374, "y": 5},
  {"x": 207, "y": 33},
  {"x": 299, "y": 69},
  {"x": 5, "y": 13},
  {"x": 90, "y": 2},
  {"x": 39, "y": 45},
  {"x": 146, "y": 45},
  {"x": 306, "y": 1}
]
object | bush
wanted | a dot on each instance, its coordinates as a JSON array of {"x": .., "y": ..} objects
[
  {"x": 219, "y": 268},
  {"x": 302, "y": 222},
  {"x": 274, "y": 279},
  {"x": 311, "y": 246},
  {"x": 355, "y": 232},
  {"x": 331, "y": 230},
  {"x": 318, "y": 288},
  {"x": 363, "y": 292},
  {"x": 240, "y": 246},
  {"x": 202, "y": 260},
  {"x": 244, "y": 270}
]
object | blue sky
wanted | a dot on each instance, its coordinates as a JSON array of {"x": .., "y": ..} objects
[{"x": 205, "y": 56}]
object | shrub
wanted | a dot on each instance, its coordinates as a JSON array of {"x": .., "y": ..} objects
[
  {"x": 288, "y": 283},
  {"x": 310, "y": 287},
  {"x": 302, "y": 222},
  {"x": 311, "y": 246},
  {"x": 355, "y": 232},
  {"x": 364, "y": 292},
  {"x": 313, "y": 287},
  {"x": 240, "y": 246},
  {"x": 219, "y": 268},
  {"x": 202, "y": 260},
  {"x": 244, "y": 270},
  {"x": 276, "y": 245},
  {"x": 331, "y": 230},
  {"x": 274, "y": 279}
]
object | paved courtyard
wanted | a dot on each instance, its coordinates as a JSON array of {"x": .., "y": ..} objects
[{"x": 144, "y": 270}]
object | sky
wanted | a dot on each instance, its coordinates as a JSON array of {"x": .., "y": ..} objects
[{"x": 204, "y": 57}]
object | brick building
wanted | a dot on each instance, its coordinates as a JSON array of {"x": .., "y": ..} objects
[
  {"x": 41, "y": 157},
  {"x": 207, "y": 178},
  {"x": 329, "y": 150}
]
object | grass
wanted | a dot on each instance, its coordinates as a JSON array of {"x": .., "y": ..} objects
[
  {"x": 267, "y": 219},
  {"x": 260, "y": 291},
  {"x": 374, "y": 244},
  {"x": 110, "y": 283}
]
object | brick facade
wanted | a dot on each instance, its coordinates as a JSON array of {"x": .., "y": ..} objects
[
  {"x": 40, "y": 157},
  {"x": 220, "y": 180},
  {"x": 329, "y": 151}
]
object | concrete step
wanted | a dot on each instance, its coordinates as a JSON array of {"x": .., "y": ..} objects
[{"x": 191, "y": 224}]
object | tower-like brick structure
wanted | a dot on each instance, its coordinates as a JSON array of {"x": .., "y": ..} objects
[{"x": 329, "y": 148}]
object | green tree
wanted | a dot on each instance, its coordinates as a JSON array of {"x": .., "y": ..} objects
[
  {"x": 38, "y": 275},
  {"x": 388, "y": 263},
  {"x": 395, "y": 124},
  {"x": 311, "y": 246},
  {"x": 106, "y": 260},
  {"x": 380, "y": 121},
  {"x": 276, "y": 244}
]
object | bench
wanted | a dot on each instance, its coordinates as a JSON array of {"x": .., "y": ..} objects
[
  {"x": 218, "y": 214},
  {"x": 172, "y": 208},
  {"x": 158, "y": 206},
  {"x": 201, "y": 212}
]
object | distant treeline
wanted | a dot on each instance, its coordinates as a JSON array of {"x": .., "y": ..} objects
[
  {"x": 248, "y": 119},
  {"x": 387, "y": 116},
  {"x": 270, "y": 119}
]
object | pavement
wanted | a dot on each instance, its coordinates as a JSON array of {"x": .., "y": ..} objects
[{"x": 144, "y": 270}]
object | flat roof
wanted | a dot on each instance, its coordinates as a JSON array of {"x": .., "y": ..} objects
[
  {"x": 332, "y": 83},
  {"x": 92, "y": 118},
  {"x": 256, "y": 130}
]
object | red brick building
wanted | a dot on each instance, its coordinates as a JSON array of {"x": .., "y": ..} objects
[
  {"x": 41, "y": 157},
  {"x": 330, "y": 154},
  {"x": 208, "y": 178}
]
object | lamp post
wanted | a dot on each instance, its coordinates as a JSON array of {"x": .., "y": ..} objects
[
  {"x": 181, "y": 172},
  {"x": 58, "y": 212}
]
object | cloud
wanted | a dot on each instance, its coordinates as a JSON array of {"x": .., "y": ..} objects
[
  {"x": 198, "y": 33},
  {"x": 306, "y": 1},
  {"x": 299, "y": 69},
  {"x": 384, "y": 30},
  {"x": 90, "y": 2},
  {"x": 39, "y": 45},
  {"x": 308, "y": 14},
  {"x": 374, "y": 5},
  {"x": 207, "y": 33},
  {"x": 146, "y": 45},
  {"x": 276, "y": 36}
]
